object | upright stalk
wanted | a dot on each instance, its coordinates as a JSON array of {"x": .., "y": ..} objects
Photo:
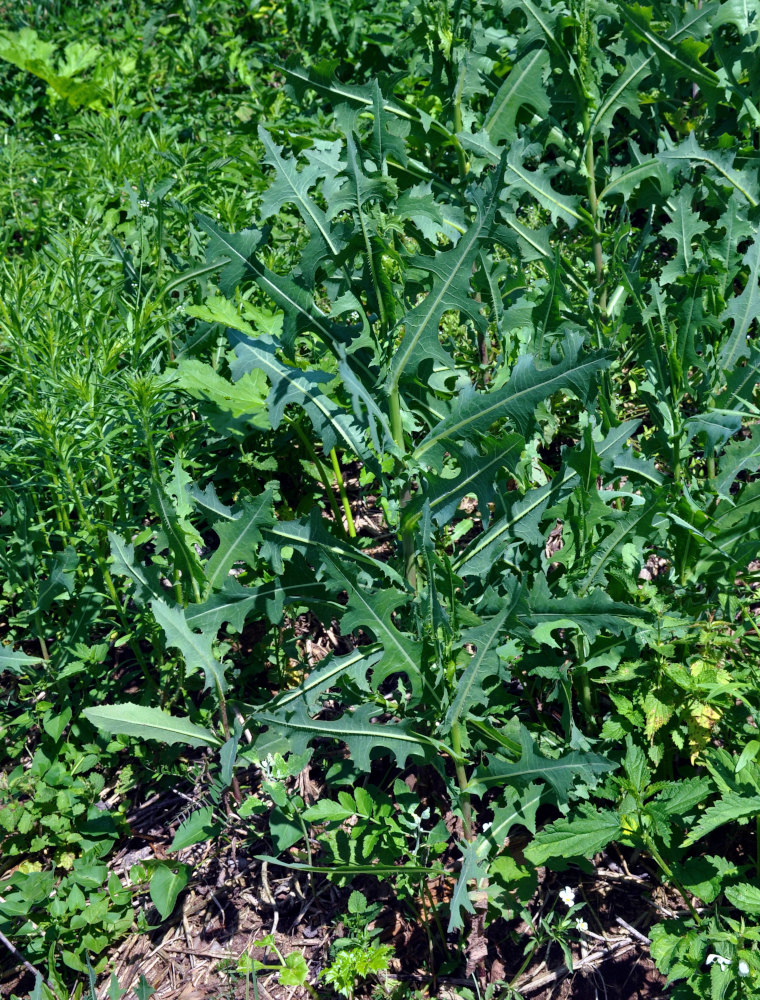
[{"x": 407, "y": 532}]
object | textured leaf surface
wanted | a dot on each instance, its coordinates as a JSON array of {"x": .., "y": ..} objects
[{"x": 580, "y": 837}]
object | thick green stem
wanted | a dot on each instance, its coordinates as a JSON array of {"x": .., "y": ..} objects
[
  {"x": 343, "y": 494},
  {"x": 456, "y": 745},
  {"x": 407, "y": 532}
]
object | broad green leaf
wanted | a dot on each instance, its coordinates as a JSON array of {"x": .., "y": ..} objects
[
  {"x": 166, "y": 883},
  {"x": 291, "y": 187},
  {"x": 473, "y": 869},
  {"x": 536, "y": 183},
  {"x": 520, "y": 808},
  {"x": 720, "y": 164},
  {"x": 677, "y": 49},
  {"x": 745, "y": 897},
  {"x": 743, "y": 310},
  {"x": 310, "y": 537},
  {"x": 150, "y": 724},
  {"x": 469, "y": 691},
  {"x": 574, "y": 837},
  {"x": 333, "y": 424},
  {"x": 560, "y": 772},
  {"x": 195, "y": 648},
  {"x": 525, "y": 513},
  {"x": 476, "y": 476},
  {"x": 592, "y": 613},
  {"x": 372, "y": 611},
  {"x": 61, "y": 578},
  {"x": 685, "y": 226}
]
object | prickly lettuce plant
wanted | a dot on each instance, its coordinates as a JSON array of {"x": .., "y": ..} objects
[{"x": 516, "y": 305}]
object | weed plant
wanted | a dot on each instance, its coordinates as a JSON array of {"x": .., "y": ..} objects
[{"x": 486, "y": 270}]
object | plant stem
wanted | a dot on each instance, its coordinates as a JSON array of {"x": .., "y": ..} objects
[
  {"x": 321, "y": 471},
  {"x": 456, "y": 744},
  {"x": 407, "y": 533},
  {"x": 343, "y": 494}
]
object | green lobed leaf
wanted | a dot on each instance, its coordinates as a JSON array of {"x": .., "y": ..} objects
[
  {"x": 452, "y": 271},
  {"x": 475, "y": 412},
  {"x": 194, "y": 647},
  {"x": 363, "y": 737},
  {"x": 239, "y": 537}
]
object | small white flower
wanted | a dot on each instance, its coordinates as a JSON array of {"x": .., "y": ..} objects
[
  {"x": 581, "y": 924},
  {"x": 743, "y": 969},
  {"x": 34, "y": 180},
  {"x": 143, "y": 203},
  {"x": 56, "y": 137},
  {"x": 567, "y": 895},
  {"x": 720, "y": 959}
]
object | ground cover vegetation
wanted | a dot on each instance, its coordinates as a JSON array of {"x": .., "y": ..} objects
[{"x": 379, "y": 447}]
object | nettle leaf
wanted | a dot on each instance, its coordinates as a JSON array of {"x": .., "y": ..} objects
[
  {"x": 373, "y": 611},
  {"x": 575, "y": 837},
  {"x": 475, "y": 412},
  {"x": 745, "y": 897},
  {"x": 452, "y": 272},
  {"x": 333, "y": 424},
  {"x": 239, "y": 537},
  {"x": 561, "y": 772},
  {"x": 592, "y": 613},
  {"x": 150, "y": 724},
  {"x": 732, "y": 808},
  {"x": 523, "y": 86},
  {"x": 195, "y": 648},
  {"x": 743, "y": 310},
  {"x": 244, "y": 398},
  {"x": 362, "y": 736}
]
